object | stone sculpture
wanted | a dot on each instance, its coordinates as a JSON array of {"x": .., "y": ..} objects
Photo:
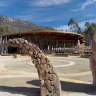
[
  {"x": 93, "y": 58},
  {"x": 49, "y": 81}
]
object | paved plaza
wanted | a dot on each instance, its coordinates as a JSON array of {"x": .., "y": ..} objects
[{"x": 18, "y": 76}]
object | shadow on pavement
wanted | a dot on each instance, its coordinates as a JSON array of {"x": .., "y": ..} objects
[
  {"x": 21, "y": 90},
  {"x": 34, "y": 82},
  {"x": 78, "y": 87},
  {"x": 72, "y": 87},
  {"x": 65, "y": 86}
]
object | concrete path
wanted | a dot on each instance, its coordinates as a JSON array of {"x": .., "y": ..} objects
[{"x": 18, "y": 76}]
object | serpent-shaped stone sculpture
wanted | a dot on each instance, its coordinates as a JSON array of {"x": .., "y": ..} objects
[{"x": 49, "y": 81}]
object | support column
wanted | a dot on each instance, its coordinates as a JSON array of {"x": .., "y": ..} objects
[
  {"x": 2, "y": 49},
  {"x": 93, "y": 58},
  {"x": 6, "y": 47},
  {"x": 0, "y": 46}
]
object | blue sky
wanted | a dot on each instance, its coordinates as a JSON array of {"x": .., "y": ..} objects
[{"x": 54, "y": 13}]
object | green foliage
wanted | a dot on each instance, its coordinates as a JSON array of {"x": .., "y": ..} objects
[
  {"x": 4, "y": 30},
  {"x": 41, "y": 28},
  {"x": 90, "y": 27},
  {"x": 74, "y": 24}
]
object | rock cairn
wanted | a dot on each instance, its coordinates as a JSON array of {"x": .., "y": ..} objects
[{"x": 49, "y": 81}]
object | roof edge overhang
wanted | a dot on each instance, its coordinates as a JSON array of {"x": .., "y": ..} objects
[{"x": 44, "y": 31}]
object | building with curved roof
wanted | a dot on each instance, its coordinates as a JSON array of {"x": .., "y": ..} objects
[{"x": 50, "y": 39}]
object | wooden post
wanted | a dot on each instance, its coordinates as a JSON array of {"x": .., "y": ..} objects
[
  {"x": 6, "y": 47},
  {"x": 0, "y": 46},
  {"x": 2, "y": 50}
]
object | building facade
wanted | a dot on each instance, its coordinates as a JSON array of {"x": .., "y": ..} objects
[{"x": 48, "y": 40}]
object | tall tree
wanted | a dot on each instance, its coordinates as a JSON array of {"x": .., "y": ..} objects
[
  {"x": 74, "y": 25},
  {"x": 90, "y": 27}
]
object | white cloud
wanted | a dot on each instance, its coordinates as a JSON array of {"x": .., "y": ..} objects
[
  {"x": 44, "y": 3},
  {"x": 7, "y": 3},
  {"x": 48, "y": 19},
  {"x": 88, "y": 2},
  {"x": 36, "y": 18},
  {"x": 45, "y": 20},
  {"x": 81, "y": 24},
  {"x": 64, "y": 27},
  {"x": 2, "y": 5},
  {"x": 84, "y": 5},
  {"x": 29, "y": 16},
  {"x": 90, "y": 15},
  {"x": 26, "y": 17},
  {"x": 74, "y": 10}
]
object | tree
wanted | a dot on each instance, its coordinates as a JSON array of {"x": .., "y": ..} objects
[
  {"x": 74, "y": 25},
  {"x": 90, "y": 27},
  {"x": 5, "y": 30}
]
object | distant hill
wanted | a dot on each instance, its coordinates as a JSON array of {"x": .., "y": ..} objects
[
  {"x": 10, "y": 25},
  {"x": 16, "y": 25}
]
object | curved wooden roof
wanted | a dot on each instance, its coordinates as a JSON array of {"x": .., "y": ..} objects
[
  {"x": 43, "y": 31},
  {"x": 47, "y": 32}
]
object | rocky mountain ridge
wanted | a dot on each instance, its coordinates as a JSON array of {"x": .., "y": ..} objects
[{"x": 16, "y": 25}]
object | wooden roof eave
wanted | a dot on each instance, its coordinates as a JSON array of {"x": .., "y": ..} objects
[{"x": 44, "y": 32}]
